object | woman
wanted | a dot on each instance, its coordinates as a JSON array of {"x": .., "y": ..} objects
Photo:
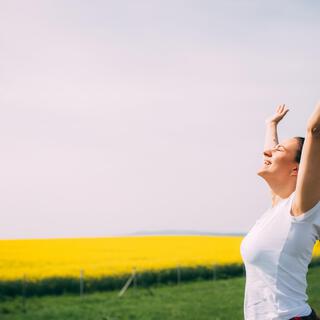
[{"x": 278, "y": 248}]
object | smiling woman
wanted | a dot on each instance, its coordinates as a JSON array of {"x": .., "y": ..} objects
[
  {"x": 278, "y": 248},
  {"x": 281, "y": 164}
]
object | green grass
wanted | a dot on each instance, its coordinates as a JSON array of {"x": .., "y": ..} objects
[{"x": 197, "y": 300}]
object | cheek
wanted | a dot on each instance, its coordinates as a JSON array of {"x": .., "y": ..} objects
[
  {"x": 279, "y": 162},
  {"x": 281, "y": 157},
  {"x": 282, "y": 163}
]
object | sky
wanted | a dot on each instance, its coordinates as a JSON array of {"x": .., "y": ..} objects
[{"x": 124, "y": 116}]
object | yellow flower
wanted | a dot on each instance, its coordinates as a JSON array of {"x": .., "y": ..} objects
[{"x": 38, "y": 259}]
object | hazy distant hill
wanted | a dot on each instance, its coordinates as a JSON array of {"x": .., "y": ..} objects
[{"x": 184, "y": 232}]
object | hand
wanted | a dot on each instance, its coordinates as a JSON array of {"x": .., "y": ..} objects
[{"x": 278, "y": 116}]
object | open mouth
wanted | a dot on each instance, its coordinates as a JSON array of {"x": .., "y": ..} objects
[{"x": 267, "y": 162}]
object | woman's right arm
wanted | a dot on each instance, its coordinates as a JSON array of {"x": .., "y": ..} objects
[{"x": 271, "y": 137}]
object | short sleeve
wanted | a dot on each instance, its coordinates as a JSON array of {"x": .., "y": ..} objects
[{"x": 304, "y": 216}]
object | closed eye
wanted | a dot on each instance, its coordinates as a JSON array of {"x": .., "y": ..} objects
[{"x": 279, "y": 147}]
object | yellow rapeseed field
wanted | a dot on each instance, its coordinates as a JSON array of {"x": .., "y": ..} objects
[{"x": 43, "y": 258}]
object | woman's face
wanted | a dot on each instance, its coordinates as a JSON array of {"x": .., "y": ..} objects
[{"x": 279, "y": 162}]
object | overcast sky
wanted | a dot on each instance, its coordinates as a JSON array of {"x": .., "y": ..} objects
[{"x": 122, "y": 116}]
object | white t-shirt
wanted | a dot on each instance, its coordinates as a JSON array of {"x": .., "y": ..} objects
[{"x": 276, "y": 253}]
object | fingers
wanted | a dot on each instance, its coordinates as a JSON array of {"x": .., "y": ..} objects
[{"x": 282, "y": 109}]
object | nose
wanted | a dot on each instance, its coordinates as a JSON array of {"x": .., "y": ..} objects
[{"x": 267, "y": 153}]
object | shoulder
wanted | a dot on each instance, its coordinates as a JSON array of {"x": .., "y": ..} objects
[{"x": 298, "y": 210}]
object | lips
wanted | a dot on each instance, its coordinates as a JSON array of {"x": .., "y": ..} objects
[{"x": 267, "y": 162}]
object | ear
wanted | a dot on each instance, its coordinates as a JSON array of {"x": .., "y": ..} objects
[{"x": 294, "y": 171}]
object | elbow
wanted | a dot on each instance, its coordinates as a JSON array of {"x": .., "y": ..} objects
[{"x": 313, "y": 130}]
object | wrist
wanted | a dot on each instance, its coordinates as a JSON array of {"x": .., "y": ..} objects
[{"x": 271, "y": 123}]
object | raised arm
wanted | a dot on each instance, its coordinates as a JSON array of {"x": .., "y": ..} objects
[
  {"x": 308, "y": 180},
  {"x": 271, "y": 136}
]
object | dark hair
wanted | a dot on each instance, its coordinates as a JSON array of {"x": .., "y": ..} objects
[{"x": 300, "y": 146}]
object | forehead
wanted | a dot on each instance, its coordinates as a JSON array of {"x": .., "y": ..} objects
[{"x": 290, "y": 144}]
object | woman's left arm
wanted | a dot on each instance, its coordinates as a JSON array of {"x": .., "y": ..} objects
[{"x": 308, "y": 180}]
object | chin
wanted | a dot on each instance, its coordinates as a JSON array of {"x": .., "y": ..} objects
[{"x": 262, "y": 172}]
